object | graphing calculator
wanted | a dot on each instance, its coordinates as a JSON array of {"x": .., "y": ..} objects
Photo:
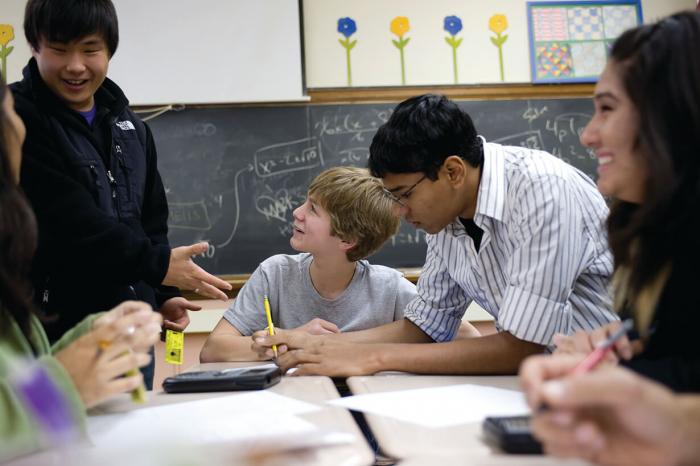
[
  {"x": 243, "y": 378},
  {"x": 511, "y": 434}
]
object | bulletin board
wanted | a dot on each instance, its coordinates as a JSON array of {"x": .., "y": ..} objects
[{"x": 570, "y": 41}]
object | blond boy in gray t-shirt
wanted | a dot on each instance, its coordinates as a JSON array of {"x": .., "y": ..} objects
[{"x": 328, "y": 288}]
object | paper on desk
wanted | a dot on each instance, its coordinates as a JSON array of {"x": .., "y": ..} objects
[
  {"x": 440, "y": 406},
  {"x": 232, "y": 417},
  {"x": 277, "y": 450}
]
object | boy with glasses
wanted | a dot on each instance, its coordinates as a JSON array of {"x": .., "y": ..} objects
[{"x": 515, "y": 230}]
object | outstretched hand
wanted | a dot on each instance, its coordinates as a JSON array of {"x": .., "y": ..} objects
[{"x": 186, "y": 275}]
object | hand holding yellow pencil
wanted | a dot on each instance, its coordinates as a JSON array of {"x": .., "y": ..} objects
[
  {"x": 270, "y": 326},
  {"x": 138, "y": 395},
  {"x": 96, "y": 361}
]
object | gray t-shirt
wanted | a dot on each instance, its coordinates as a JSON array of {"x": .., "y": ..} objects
[{"x": 376, "y": 296}]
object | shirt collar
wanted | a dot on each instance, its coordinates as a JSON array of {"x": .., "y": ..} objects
[{"x": 491, "y": 197}]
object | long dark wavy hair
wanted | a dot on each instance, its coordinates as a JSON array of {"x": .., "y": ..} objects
[
  {"x": 660, "y": 66},
  {"x": 18, "y": 235}
]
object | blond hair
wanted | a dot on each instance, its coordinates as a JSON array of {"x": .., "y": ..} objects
[{"x": 359, "y": 208}]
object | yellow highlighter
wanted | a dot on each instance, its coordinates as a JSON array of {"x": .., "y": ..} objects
[
  {"x": 138, "y": 394},
  {"x": 270, "y": 327}
]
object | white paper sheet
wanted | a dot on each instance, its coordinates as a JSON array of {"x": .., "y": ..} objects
[
  {"x": 440, "y": 406},
  {"x": 234, "y": 417}
]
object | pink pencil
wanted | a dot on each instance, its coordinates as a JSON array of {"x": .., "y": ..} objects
[{"x": 602, "y": 349}]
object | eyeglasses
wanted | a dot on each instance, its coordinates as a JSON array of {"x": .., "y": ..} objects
[{"x": 401, "y": 199}]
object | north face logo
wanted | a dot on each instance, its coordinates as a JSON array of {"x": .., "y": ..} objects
[{"x": 125, "y": 125}]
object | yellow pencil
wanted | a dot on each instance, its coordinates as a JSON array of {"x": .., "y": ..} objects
[
  {"x": 270, "y": 327},
  {"x": 138, "y": 394}
]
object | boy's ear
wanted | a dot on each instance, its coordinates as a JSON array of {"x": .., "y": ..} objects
[
  {"x": 347, "y": 245},
  {"x": 455, "y": 169}
]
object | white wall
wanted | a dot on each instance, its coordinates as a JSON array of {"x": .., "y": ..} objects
[
  {"x": 375, "y": 60},
  {"x": 206, "y": 51},
  {"x": 657, "y": 9}
]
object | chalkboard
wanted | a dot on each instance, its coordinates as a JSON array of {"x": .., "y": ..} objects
[{"x": 233, "y": 175}]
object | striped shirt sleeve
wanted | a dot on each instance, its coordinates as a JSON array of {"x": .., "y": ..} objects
[
  {"x": 441, "y": 302},
  {"x": 547, "y": 232}
]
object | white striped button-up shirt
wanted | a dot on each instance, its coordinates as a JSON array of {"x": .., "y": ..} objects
[{"x": 543, "y": 265}]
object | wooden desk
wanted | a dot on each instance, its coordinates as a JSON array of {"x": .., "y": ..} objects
[
  {"x": 314, "y": 390},
  {"x": 419, "y": 445}
]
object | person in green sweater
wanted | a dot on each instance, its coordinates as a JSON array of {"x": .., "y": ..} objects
[{"x": 45, "y": 390}]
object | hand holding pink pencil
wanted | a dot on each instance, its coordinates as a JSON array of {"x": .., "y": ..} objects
[{"x": 603, "y": 348}]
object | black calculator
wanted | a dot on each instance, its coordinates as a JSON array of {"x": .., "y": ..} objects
[
  {"x": 512, "y": 434},
  {"x": 241, "y": 378}
]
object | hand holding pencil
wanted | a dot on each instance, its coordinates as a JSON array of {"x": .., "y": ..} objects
[
  {"x": 104, "y": 362},
  {"x": 536, "y": 371},
  {"x": 584, "y": 342},
  {"x": 610, "y": 415},
  {"x": 603, "y": 348}
]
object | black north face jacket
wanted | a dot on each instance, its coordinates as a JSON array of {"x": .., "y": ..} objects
[{"x": 99, "y": 201}]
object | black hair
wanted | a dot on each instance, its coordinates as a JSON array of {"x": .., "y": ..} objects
[
  {"x": 420, "y": 134},
  {"x": 68, "y": 20},
  {"x": 17, "y": 235},
  {"x": 660, "y": 71}
]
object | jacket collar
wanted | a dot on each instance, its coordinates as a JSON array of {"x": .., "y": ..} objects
[{"x": 491, "y": 195}]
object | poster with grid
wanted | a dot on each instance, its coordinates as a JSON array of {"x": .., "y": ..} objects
[{"x": 570, "y": 40}]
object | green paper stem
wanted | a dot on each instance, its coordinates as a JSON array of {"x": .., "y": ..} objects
[
  {"x": 454, "y": 62},
  {"x": 3, "y": 66},
  {"x": 400, "y": 44},
  {"x": 347, "y": 60},
  {"x": 500, "y": 54},
  {"x": 500, "y": 61}
]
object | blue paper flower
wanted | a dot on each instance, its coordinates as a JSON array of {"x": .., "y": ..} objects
[
  {"x": 347, "y": 26},
  {"x": 452, "y": 24}
]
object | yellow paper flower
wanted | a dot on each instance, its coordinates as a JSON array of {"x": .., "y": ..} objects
[
  {"x": 498, "y": 23},
  {"x": 399, "y": 25},
  {"x": 7, "y": 33}
]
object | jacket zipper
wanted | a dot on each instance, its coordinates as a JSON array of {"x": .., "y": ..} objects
[
  {"x": 110, "y": 176},
  {"x": 113, "y": 184},
  {"x": 45, "y": 293}
]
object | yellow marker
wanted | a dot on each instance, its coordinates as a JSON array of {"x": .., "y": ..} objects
[
  {"x": 138, "y": 394},
  {"x": 270, "y": 327},
  {"x": 174, "y": 346}
]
